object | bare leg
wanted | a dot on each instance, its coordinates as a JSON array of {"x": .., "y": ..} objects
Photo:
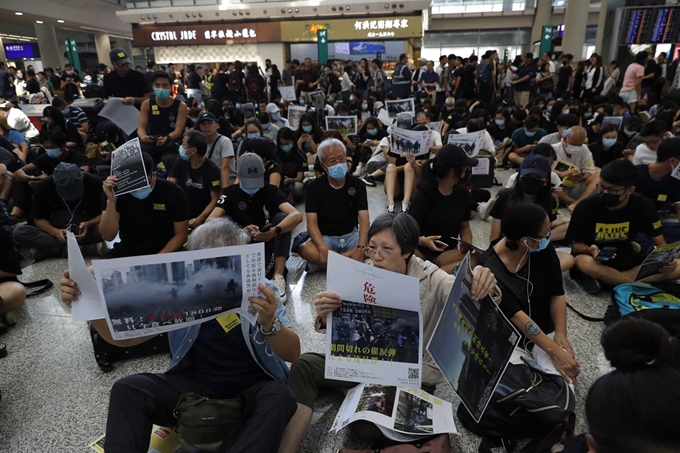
[
  {"x": 515, "y": 158},
  {"x": 559, "y": 232},
  {"x": 296, "y": 428},
  {"x": 448, "y": 260},
  {"x": 409, "y": 182},
  {"x": 309, "y": 252},
  {"x": 391, "y": 182},
  {"x": 13, "y": 296},
  {"x": 566, "y": 261},
  {"x": 608, "y": 275}
]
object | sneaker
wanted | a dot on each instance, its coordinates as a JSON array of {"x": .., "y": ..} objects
[
  {"x": 485, "y": 208},
  {"x": 590, "y": 285},
  {"x": 281, "y": 285},
  {"x": 11, "y": 318},
  {"x": 404, "y": 207},
  {"x": 358, "y": 171},
  {"x": 390, "y": 207},
  {"x": 370, "y": 180},
  {"x": 102, "y": 248},
  {"x": 17, "y": 220}
]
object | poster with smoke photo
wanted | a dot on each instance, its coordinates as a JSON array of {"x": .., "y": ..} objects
[
  {"x": 294, "y": 114},
  {"x": 375, "y": 334},
  {"x": 127, "y": 165},
  {"x": 248, "y": 110},
  {"x": 152, "y": 294},
  {"x": 470, "y": 142},
  {"x": 344, "y": 124},
  {"x": 400, "y": 106},
  {"x": 405, "y": 142}
]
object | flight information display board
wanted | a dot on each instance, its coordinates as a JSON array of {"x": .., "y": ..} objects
[
  {"x": 639, "y": 23},
  {"x": 665, "y": 25},
  {"x": 652, "y": 25}
]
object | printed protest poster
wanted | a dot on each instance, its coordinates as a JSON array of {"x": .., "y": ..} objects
[
  {"x": 294, "y": 114},
  {"x": 375, "y": 334},
  {"x": 288, "y": 93},
  {"x": 127, "y": 164},
  {"x": 472, "y": 344},
  {"x": 404, "y": 120},
  {"x": 403, "y": 414},
  {"x": 344, "y": 124},
  {"x": 152, "y": 294},
  {"x": 470, "y": 142},
  {"x": 615, "y": 120},
  {"x": 436, "y": 126},
  {"x": 248, "y": 110},
  {"x": 400, "y": 106},
  {"x": 658, "y": 258},
  {"x": 124, "y": 116},
  {"x": 405, "y": 142},
  {"x": 88, "y": 306},
  {"x": 385, "y": 118}
]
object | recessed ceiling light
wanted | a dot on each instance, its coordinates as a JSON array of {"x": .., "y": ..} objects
[
  {"x": 19, "y": 14},
  {"x": 60, "y": 21},
  {"x": 38, "y": 22}
]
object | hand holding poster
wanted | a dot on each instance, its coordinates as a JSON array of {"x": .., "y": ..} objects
[
  {"x": 399, "y": 106},
  {"x": 294, "y": 114},
  {"x": 375, "y": 334},
  {"x": 472, "y": 344},
  {"x": 88, "y": 306},
  {"x": 405, "y": 142},
  {"x": 153, "y": 294},
  {"x": 657, "y": 259},
  {"x": 403, "y": 414},
  {"x": 470, "y": 142},
  {"x": 127, "y": 164},
  {"x": 122, "y": 115},
  {"x": 385, "y": 118},
  {"x": 344, "y": 124}
]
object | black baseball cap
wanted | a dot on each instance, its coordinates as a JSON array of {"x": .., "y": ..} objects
[
  {"x": 206, "y": 116},
  {"x": 119, "y": 56},
  {"x": 454, "y": 156},
  {"x": 535, "y": 164},
  {"x": 68, "y": 180},
  {"x": 159, "y": 74}
]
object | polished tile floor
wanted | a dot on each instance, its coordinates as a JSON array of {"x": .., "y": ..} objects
[{"x": 55, "y": 397}]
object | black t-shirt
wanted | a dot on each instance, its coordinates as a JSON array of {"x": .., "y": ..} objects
[
  {"x": 499, "y": 134},
  {"x": 468, "y": 82},
  {"x": 132, "y": 85},
  {"x": 545, "y": 275},
  {"x": 592, "y": 223},
  {"x": 32, "y": 86},
  {"x": 69, "y": 89},
  {"x": 272, "y": 168},
  {"x": 48, "y": 205},
  {"x": 291, "y": 162},
  {"x": 193, "y": 81},
  {"x": 603, "y": 156},
  {"x": 337, "y": 209},
  {"x": 148, "y": 225},
  {"x": 563, "y": 77},
  {"x": 504, "y": 198},
  {"x": 251, "y": 210},
  {"x": 46, "y": 164},
  {"x": 661, "y": 193},
  {"x": 197, "y": 183},
  {"x": 442, "y": 215}
]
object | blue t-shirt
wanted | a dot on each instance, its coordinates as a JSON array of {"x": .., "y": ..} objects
[
  {"x": 14, "y": 136},
  {"x": 429, "y": 77},
  {"x": 521, "y": 139},
  {"x": 661, "y": 193}
]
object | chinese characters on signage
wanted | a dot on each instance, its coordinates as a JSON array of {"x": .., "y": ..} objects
[
  {"x": 229, "y": 33},
  {"x": 381, "y": 24},
  {"x": 209, "y": 34}
]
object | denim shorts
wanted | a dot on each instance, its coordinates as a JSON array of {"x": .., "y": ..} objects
[{"x": 343, "y": 243}]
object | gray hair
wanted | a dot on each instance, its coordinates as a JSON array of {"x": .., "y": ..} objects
[
  {"x": 327, "y": 145},
  {"x": 450, "y": 101},
  {"x": 220, "y": 232},
  {"x": 404, "y": 227},
  {"x": 576, "y": 130}
]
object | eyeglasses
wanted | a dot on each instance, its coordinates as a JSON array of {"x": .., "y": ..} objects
[
  {"x": 547, "y": 236},
  {"x": 331, "y": 162},
  {"x": 384, "y": 253},
  {"x": 609, "y": 190}
]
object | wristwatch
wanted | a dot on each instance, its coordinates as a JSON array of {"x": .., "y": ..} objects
[
  {"x": 276, "y": 328},
  {"x": 277, "y": 229}
]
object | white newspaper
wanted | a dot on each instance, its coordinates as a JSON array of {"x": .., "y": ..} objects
[
  {"x": 437, "y": 126},
  {"x": 288, "y": 93},
  {"x": 470, "y": 142},
  {"x": 344, "y": 124},
  {"x": 401, "y": 106},
  {"x": 89, "y": 305},
  {"x": 375, "y": 336},
  {"x": 152, "y": 294},
  {"x": 384, "y": 117},
  {"x": 294, "y": 114},
  {"x": 402, "y": 413},
  {"x": 405, "y": 142},
  {"x": 124, "y": 116}
]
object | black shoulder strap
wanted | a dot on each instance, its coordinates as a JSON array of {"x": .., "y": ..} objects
[
  {"x": 212, "y": 148},
  {"x": 41, "y": 285},
  {"x": 583, "y": 316}
]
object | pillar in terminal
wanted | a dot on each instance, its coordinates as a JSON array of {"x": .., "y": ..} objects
[
  {"x": 541, "y": 18},
  {"x": 47, "y": 43},
  {"x": 103, "y": 44},
  {"x": 601, "y": 22},
  {"x": 575, "y": 22}
]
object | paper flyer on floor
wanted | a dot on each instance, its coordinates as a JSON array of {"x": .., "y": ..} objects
[
  {"x": 152, "y": 294},
  {"x": 658, "y": 258},
  {"x": 375, "y": 336},
  {"x": 472, "y": 343},
  {"x": 405, "y": 142},
  {"x": 401, "y": 413}
]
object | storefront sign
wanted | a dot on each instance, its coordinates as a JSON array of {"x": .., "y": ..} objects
[
  {"x": 190, "y": 35},
  {"x": 354, "y": 29}
]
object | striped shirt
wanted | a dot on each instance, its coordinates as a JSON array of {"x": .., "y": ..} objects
[{"x": 77, "y": 116}]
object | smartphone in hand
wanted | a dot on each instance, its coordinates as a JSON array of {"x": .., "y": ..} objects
[{"x": 606, "y": 254}]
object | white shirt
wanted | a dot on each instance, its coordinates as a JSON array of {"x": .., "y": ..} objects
[
  {"x": 554, "y": 180},
  {"x": 509, "y": 75},
  {"x": 282, "y": 122},
  {"x": 487, "y": 141},
  {"x": 551, "y": 64},
  {"x": 17, "y": 120},
  {"x": 551, "y": 139},
  {"x": 582, "y": 158},
  {"x": 644, "y": 155},
  {"x": 439, "y": 88},
  {"x": 345, "y": 82},
  {"x": 222, "y": 148}
]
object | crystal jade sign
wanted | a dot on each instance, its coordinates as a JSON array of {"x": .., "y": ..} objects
[{"x": 201, "y": 34}]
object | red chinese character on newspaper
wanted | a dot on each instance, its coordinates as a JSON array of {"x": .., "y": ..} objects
[{"x": 369, "y": 293}]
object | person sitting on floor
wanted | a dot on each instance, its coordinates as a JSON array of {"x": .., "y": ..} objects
[
  {"x": 212, "y": 361},
  {"x": 254, "y": 204},
  {"x": 69, "y": 200},
  {"x": 197, "y": 176},
  {"x": 220, "y": 147},
  {"x": 652, "y": 134},
  {"x": 293, "y": 163},
  {"x": 392, "y": 241},
  {"x": 580, "y": 181},
  {"x": 400, "y": 176},
  {"x": 12, "y": 293},
  {"x": 74, "y": 114},
  {"x": 610, "y": 220},
  {"x": 334, "y": 203},
  {"x": 528, "y": 273},
  {"x": 525, "y": 139}
]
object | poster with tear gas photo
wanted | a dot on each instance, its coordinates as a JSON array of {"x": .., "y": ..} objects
[
  {"x": 294, "y": 114},
  {"x": 248, "y": 110},
  {"x": 152, "y": 294},
  {"x": 414, "y": 143},
  {"x": 127, "y": 164},
  {"x": 470, "y": 142},
  {"x": 344, "y": 124},
  {"x": 401, "y": 106}
]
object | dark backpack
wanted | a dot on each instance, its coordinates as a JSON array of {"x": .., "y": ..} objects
[
  {"x": 657, "y": 304},
  {"x": 484, "y": 73},
  {"x": 235, "y": 83},
  {"x": 254, "y": 86}
]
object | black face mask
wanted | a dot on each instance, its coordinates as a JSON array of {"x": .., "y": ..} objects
[
  {"x": 609, "y": 200},
  {"x": 531, "y": 186}
]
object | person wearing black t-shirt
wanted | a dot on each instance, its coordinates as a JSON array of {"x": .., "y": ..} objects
[
  {"x": 273, "y": 174},
  {"x": 528, "y": 273},
  {"x": 607, "y": 147},
  {"x": 150, "y": 220},
  {"x": 263, "y": 211},
  {"x": 70, "y": 83},
  {"x": 369, "y": 140},
  {"x": 123, "y": 82},
  {"x": 335, "y": 203},
  {"x": 442, "y": 207},
  {"x": 197, "y": 176},
  {"x": 12, "y": 293},
  {"x": 400, "y": 177},
  {"x": 613, "y": 218},
  {"x": 69, "y": 200},
  {"x": 292, "y": 161}
]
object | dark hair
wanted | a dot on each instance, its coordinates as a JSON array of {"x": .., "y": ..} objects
[
  {"x": 520, "y": 114},
  {"x": 150, "y": 64},
  {"x": 567, "y": 120},
  {"x": 656, "y": 128},
  {"x": 402, "y": 56},
  {"x": 607, "y": 128},
  {"x": 556, "y": 110},
  {"x": 476, "y": 124},
  {"x": 531, "y": 122},
  {"x": 641, "y": 57},
  {"x": 620, "y": 172},
  {"x": 668, "y": 149},
  {"x": 56, "y": 115},
  {"x": 285, "y": 133},
  {"x": 404, "y": 227},
  {"x": 631, "y": 409},
  {"x": 55, "y": 136},
  {"x": 58, "y": 102},
  {"x": 545, "y": 150},
  {"x": 372, "y": 121},
  {"x": 433, "y": 171},
  {"x": 148, "y": 163},
  {"x": 633, "y": 121},
  {"x": 260, "y": 146},
  {"x": 254, "y": 121},
  {"x": 196, "y": 139},
  {"x": 521, "y": 219},
  {"x": 263, "y": 118}
]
